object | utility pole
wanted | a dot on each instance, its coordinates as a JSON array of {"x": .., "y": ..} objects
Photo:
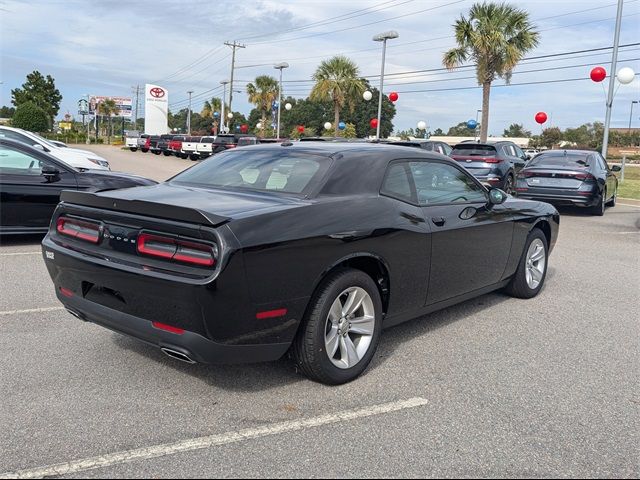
[
  {"x": 223, "y": 118},
  {"x": 612, "y": 79},
  {"x": 189, "y": 114},
  {"x": 233, "y": 45}
]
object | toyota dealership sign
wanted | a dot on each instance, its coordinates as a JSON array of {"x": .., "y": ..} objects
[{"x": 156, "y": 109}]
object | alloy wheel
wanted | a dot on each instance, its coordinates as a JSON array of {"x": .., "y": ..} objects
[
  {"x": 536, "y": 261},
  {"x": 349, "y": 327}
]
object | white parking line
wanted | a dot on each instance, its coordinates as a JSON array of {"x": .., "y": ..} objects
[
  {"x": 13, "y": 254},
  {"x": 211, "y": 441},
  {"x": 32, "y": 310},
  {"x": 629, "y": 205}
]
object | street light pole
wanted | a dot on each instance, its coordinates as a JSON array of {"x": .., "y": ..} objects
[
  {"x": 631, "y": 114},
  {"x": 475, "y": 131},
  {"x": 280, "y": 66},
  {"x": 382, "y": 37},
  {"x": 612, "y": 79},
  {"x": 189, "y": 114}
]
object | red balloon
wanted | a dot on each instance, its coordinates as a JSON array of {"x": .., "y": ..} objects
[
  {"x": 541, "y": 117},
  {"x": 244, "y": 128},
  {"x": 300, "y": 128},
  {"x": 598, "y": 74},
  {"x": 393, "y": 96},
  {"x": 374, "y": 123}
]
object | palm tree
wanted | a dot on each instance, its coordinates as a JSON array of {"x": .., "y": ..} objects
[
  {"x": 262, "y": 95},
  {"x": 337, "y": 80},
  {"x": 108, "y": 108},
  {"x": 211, "y": 106},
  {"x": 495, "y": 36}
]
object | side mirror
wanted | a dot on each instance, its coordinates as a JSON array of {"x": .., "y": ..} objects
[
  {"x": 50, "y": 171},
  {"x": 616, "y": 168},
  {"x": 37, "y": 146},
  {"x": 497, "y": 196}
]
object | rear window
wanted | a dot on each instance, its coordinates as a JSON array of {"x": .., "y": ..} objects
[
  {"x": 561, "y": 161},
  {"x": 474, "y": 150},
  {"x": 272, "y": 170},
  {"x": 225, "y": 140},
  {"x": 207, "y": 139},
  {"x": 243, "y": 141}
]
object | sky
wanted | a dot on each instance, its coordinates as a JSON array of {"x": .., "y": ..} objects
[{"x": 106, "y": 47}]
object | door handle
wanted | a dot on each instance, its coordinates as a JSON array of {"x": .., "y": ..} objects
[
  {"x": 412, "y": 218},
  {"x": 438, "y": 221}
]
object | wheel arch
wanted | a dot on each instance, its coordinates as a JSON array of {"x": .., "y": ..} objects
[
  {"x": 371, "y": 264},
  {"x": 544, "y": 225}
]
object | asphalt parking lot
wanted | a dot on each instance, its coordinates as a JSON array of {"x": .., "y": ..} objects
[{"x": 496, "y": 386}]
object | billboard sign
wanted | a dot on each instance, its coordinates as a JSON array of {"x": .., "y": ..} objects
[
  {"x": 123, "y": 104},
  {"x": 156, "y": 110}
]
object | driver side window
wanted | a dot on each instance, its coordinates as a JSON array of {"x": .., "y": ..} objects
[
  {"x": 438, "y": 183},
  {"x": 14, "y": 162}
]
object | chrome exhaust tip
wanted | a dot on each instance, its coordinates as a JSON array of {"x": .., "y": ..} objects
[
  {"x": 177, "y": 355},
  {"x": 76, "y": 314}
]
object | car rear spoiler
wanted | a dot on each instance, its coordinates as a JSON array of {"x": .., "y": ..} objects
[{"x": 150, "y": 209}]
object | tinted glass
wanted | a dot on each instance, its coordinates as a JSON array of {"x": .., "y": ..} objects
[
  {"x": 225, "y": 140},
  {"x": 243, "y": 141},
  {"x": 472, "y": 149},
  {"x": 207, "y": 139},
  {"x": 447, "y": 149},
  {"x": 396, "y": 182},
  {"x": 442, "y": 183},
  {"x": 258, "y": 170},
  {"x": 14, "y": 162},
  {"x": 561, "y": 160}
]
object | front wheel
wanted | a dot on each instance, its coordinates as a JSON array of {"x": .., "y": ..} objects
[
  {"x": 133, "y": 149},
  {"x": 532, "y": 270},
  {"x": 341, "y": 329},
  {"x": 612, "y": 202},
  {"x": 144, "y": 150},
  {"x": 166, "y": 153}
]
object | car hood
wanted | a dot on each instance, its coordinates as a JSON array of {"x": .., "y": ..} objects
[
  {"x": 75, "y": 158},
  {"x": 106, "y": 174},
  {"x": 86, "y": 153},
  {"x": 218, "y": 202}
]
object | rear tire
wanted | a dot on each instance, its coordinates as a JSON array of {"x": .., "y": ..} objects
[
  {"x": 194, "y": 157},
  {"x": 166, "y": 153},
  {"x": 331, "y": 323},
  {"x": 133, "y": 149},
  {"x": 598, "y": 209},
  {"x": 532, "y": 269},
  {"x": 510, "y": 184},
  {"x": 144, "y": 150},
  {"x": 184, "y": 156}
]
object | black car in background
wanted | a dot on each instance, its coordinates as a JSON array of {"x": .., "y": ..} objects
[
  {"x": 31, "y": 182},
  {"x": 429, "y": 145},
  {"x": 308, "y": 246},
  {"x": 570, "y": 177},
  {"x": 495, "y": 164}
]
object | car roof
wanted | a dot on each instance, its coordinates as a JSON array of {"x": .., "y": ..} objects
[{"x": 561, "y": 153}]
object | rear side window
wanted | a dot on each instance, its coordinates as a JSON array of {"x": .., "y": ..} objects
[
  {"x": 474, "y": 150},
  {"x": 243, "y": 141},
  {"x": 397, "y": 183},
  {"x": 14, "y": 162},
  {"x": 259, "y": 170},
  {"x": 560, "y": 160}
]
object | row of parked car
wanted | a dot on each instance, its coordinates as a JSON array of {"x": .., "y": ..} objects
[{"x": 192, "y": 147}]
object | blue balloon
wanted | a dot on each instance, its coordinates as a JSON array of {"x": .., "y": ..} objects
[
  {"x": 472, "y": 124},
  {"x": 342, "y": 126},
  {"x": 216, "y": 114},
  {"x": 237, "y": 127}
]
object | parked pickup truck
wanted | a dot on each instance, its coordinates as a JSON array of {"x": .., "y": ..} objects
[
  {"x": 160, "y": 144},
  {"x": 175, "y": 145},
  {"x": 144, "y": 142},
  {"x": 205, "y": 147},
  {"x": 131, "y": 140},
  {"x": 189, "y": 147}
]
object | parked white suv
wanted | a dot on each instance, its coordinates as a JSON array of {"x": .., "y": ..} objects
[{"x": 76, "y": 158}]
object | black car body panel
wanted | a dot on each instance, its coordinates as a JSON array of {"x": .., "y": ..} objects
[
  {"x": 28, "y": 198},
  {"x": 568, "y": 177},
  {"x": 275, "y": 249}
]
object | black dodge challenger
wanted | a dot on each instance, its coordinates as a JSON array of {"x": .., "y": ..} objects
[{"x": 310, "y": 248}]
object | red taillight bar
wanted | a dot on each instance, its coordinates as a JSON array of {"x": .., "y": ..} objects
[
  {"x": 82, "y": 230},
  {"x": 168, "y": 328},
  {"x": 176, "y": 249},
  {"x": 281, "y": 312}
]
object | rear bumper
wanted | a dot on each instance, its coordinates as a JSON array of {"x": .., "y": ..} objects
[
  {"x": 561, "y": 198},
  {"x": 192, "y": 345}
]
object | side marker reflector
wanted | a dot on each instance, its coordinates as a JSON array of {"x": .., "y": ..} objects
[{"x": 281, "y": 312}]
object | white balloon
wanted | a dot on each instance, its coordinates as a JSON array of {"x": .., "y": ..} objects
[
  {"x": 422, "y": 125},
  {"x": 327, "y": 126},
  {"x": 288, "y": 106},
  {"x": 229, "y": 115},
  {"x": 367, "y": 95},
  {"x": 259, "y": 125},
  {"x": 626, "y": 75}
]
